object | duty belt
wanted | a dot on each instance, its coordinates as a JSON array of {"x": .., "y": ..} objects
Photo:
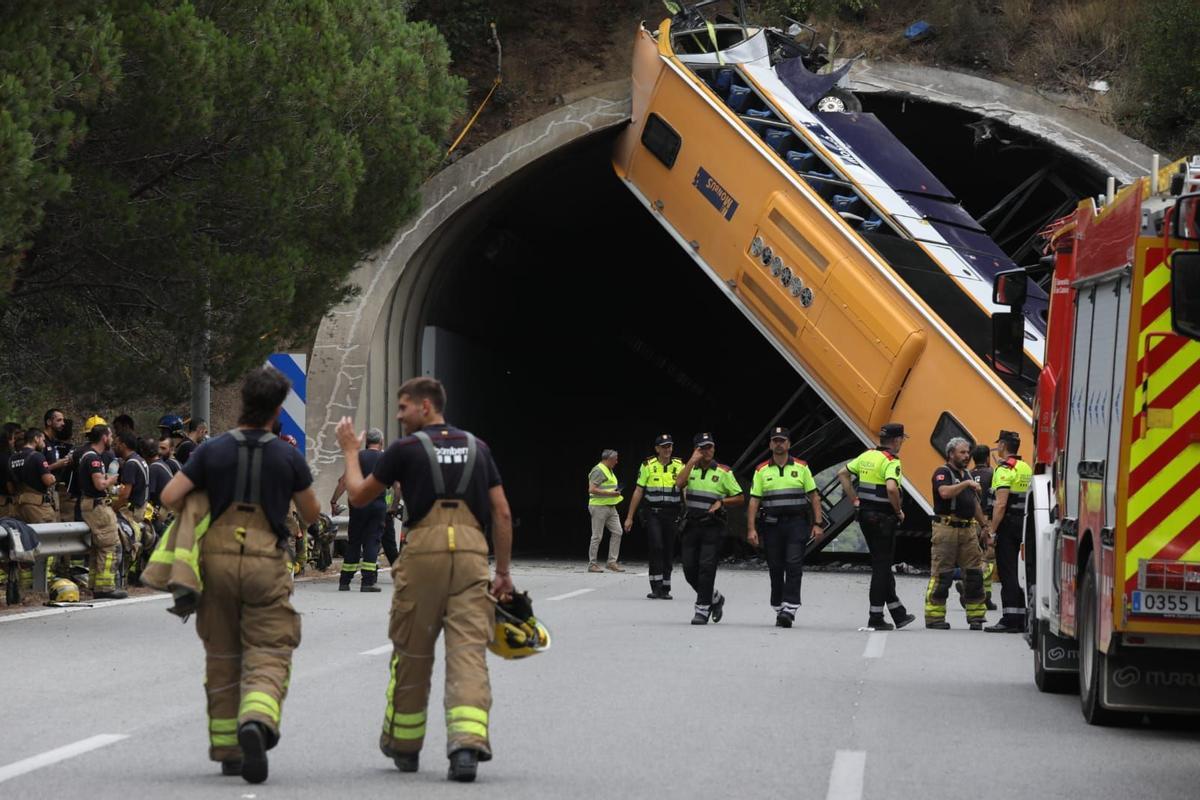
[
  {"x": 773, "y": 519},
  {"x": 952, "y": 521},
  {"x": 97, "y": 501},
  {"x": 46, "y": 498}
]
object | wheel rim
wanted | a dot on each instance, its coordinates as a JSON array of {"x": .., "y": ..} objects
[{"x": 831, "y": 103}]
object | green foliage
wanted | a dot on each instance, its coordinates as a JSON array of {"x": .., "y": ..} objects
[
  {"x": 250, "y": 155},
  {"x": 772, "y": 12},
  {"x": 1166, "y": 75}
]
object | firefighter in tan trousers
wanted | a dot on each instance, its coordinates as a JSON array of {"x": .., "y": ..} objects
[
  {"x": 451, "y": 487},
  {"x": 95, "y": 508},
  {"x": 244, "y": 617}
]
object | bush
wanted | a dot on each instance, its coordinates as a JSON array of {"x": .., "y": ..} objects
[{"x": 1164, "y": 96}]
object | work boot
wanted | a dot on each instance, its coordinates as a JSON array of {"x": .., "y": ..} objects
[
  {"x": 407, "y": 762},
  {"x": 615, "y": 567},
  {"x": 369, "y": 587},
  {"x": 665, "y": 593},
  {"x": 988, "y": 602},
  {"x": 975, "y": 624},
  {"x": 231, "y": 767},
  {"x": 1005, "y": 627},
  {"x": 343, "y": 587},
  {"x": 594, "y": 567},
  {"x": 880, "y": 624},
  {"x": 718, "y": 607},
  {"x": 655, "y": 590},
  {"x": 701, "y": 618},
  {"x": 463, "y": 764},
  {"x": 900, "y": 616},
  {"x": 937, "y": 624},
  {"x": 112, "y": 594},
  {"x": 252, "y": 738},
  {"x": 783, "y": 620}
]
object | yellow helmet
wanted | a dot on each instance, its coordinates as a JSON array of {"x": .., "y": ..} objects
[
  {"x": 92, "y": 422},
  {"x": 63, "y": 591},
  {"x": 518, "y": 633}
]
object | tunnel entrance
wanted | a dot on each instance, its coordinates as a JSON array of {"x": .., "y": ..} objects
[{"x": 564, "y": 320}]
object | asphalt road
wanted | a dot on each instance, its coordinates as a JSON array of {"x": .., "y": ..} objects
[{"x": 631, "y": 702}]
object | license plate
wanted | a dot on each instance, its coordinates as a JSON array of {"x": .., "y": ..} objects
[{"x": 1172, "y": 604}]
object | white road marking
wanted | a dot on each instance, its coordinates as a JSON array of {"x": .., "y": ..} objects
[
  {"x": 377, "y": 651},
  {"x": 52, "y": 612},
  {"x": 25, "y": 765},
  {"x": 846, "y": 778},
  {"x": 875, "y": 645},
  {"x": 569, "y": 595}
]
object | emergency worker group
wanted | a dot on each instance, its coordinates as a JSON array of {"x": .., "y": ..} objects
[{"x": 979, "y": 505}]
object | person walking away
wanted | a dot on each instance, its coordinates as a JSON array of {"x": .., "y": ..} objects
[
  {"x": 880, "y": 511},
  {"x": 785, "y": 513},
  {"x": 244, "y": 616},
  {"x": 366, "y": 523},
  {"x": 658, "y": 499},
  {"x": 955, "y": 540},
  {"x": 451, "y": 486},
  {"x": 709, "y": 489},
  {"x": 604, "y": 494},
  {"x": 1010, "y": 486},
  {"x": 94, "y": 507}
]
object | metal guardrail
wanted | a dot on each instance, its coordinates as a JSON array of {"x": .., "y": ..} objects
[{"x": 74, "y": 539}]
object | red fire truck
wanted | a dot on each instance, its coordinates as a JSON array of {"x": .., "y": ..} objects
[{"x": 1112, "y": 529}]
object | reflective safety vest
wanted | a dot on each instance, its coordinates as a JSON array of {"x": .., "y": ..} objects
[
  {"x": 783, "y": 489},
  {"x": 874, "y": 468},
  {"x": 1016, "y": 476},
  {"x": 707, "y": 486},
  {"x": 658, "y": 482},
  {"x": 608, "y": 483}
]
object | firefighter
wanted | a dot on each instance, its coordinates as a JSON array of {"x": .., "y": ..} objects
[
  {"x": 785, "y": 511},
  {"x": 244, "y": 617},
  {"x": 366, "y": 523},
  {"x": 981, "y": 473},
  {"x": 132, "y": 495},
  {"x": 451, "y": 488},
  {"x": 93, "y": 480},
  {"x": 709, "y": 488},
  {"x": 1010, "y": 486},
  {"x": 955, "y": 539},
  {"x": 58, "y": 453},
  {"x": 658, "y": 498},
  {"x": 37, "y": 500},
  {"x": 880, "y": 510}
]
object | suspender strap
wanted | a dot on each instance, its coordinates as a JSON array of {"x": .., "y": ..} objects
[
  {"x": 250, "y": 467},
  {"x": 435, "y": 466}
]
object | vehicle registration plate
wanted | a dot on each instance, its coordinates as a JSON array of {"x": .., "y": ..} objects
[{"x": 1174, "y": 604}]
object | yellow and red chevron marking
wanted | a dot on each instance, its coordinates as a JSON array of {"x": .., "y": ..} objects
[{"x": 1163, "y": 507}]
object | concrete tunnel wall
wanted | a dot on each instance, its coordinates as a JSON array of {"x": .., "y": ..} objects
[{"x": 366, "y": 347}]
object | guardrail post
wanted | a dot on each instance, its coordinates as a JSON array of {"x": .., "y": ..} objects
[{"x": 39, "y": 575}]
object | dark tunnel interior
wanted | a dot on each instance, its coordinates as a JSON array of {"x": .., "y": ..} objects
[{"x": 569, "y": 321}]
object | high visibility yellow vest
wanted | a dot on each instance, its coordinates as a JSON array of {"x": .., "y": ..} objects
[
  {"x": 783, "y": 490},
  {"x": 874, "y": 468},
  {"x": 609, "y": 484},
  {"x": 658, "y": 482},
  {"x": 1016, "y": 476}
]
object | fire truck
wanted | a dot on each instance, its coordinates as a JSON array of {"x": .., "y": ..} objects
[{"x": 1112, "y": 528}]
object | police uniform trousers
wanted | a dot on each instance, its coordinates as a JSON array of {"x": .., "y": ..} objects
[
  {"x": 1008, "y": 551},
  {"x": 659, "y": 523},
  {"x": 104, "y": 555},
  {"x": 441, "y": 583},
  {"x": 391, "y": 551},
  {"x": 247, "y": 624},
  {"x": 362, "y": 543},
  {"x": 955, "y": 545},
  {"x": 784, "y": 541},
  {"x": 878, "y": 525},
  {"x": 701, "y": 552}
]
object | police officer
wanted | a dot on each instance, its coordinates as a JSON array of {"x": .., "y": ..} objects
[
  {"x": 878, "y": 501},
  {"x": 658, "y": 499},
  {"x": 36, "y": 499},
  {"x": 709, "y": 488},
  {"x": 785, "y": 512},
  {"x": 366, "y": 523},
  {"x": 451, "y": 488},
  {"x": 94, "y": 507},
  {"x": 981, "y": 473},
  {"x": 1010, "y": 485},
  {"x": 955, "y": 540},
  {"x": 244, "y": 617}
]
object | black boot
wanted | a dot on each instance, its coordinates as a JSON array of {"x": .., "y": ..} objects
[
  {"x": 344, "y": 587},
  {"x": 877, "y": 622},
  {"x": 463, "y": 764},
  {"x": 718, "y": 606},
  {"x": 784, "y": 619},
  {"x": 252, "y": 738},
  {"x": 407, "y": 762},
  {"x": 937, "y": 624},
  {"x": 664, "y": 593},
  {"x": 369, "y": 587},
  {"x": 901, "y": 617},
  {"x": 655, "y": 590},
  {"x": 701, "y": 618},
  {"x": 231, "y": 766}
]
